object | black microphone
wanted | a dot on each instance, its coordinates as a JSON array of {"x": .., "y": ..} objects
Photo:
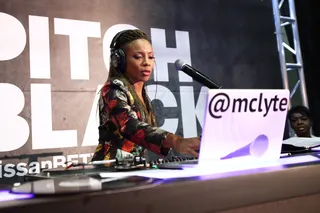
[{"x": 195, "y": 74}]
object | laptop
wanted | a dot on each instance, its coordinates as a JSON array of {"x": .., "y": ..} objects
[{"x": 241, "y": 123}]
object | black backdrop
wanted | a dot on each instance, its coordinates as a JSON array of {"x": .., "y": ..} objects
[{"x": 309, "y": 32}]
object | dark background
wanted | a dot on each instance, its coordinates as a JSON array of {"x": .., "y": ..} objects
[{"x": 309, "y": 32}]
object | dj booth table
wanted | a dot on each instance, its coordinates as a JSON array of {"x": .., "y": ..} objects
[{"x": 294, "y": 188}]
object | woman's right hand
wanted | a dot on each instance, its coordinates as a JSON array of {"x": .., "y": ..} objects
[
  {"x": 184, "y": 145},
  {"x": 188, "y": 146}
]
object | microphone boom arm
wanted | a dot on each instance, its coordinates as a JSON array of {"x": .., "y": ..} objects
[{"x": 196, "y": 75}]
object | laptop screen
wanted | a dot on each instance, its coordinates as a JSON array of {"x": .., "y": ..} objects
[{"x": 243, "y": 123}]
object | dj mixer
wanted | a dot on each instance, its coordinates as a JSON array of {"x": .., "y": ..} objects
[{"x": 127, "y": 164}]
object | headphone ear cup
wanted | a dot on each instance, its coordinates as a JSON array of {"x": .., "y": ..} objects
[
  {"x": 122, "y": 61},
  {"x": 114, "y": 60},
  {"x": 118, "y": 57}
]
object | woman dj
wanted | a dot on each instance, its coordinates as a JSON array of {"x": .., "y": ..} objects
[{"x": 127, "y": 120}]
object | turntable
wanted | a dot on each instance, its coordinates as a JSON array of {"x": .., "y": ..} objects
[
  {"x": 81, "y": 177},
  {"x": 64, "y": 185}
]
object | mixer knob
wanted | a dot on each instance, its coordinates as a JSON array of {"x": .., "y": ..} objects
[
  {"x": 177, "y": 159},
  {"x": 152, "y": 163}
]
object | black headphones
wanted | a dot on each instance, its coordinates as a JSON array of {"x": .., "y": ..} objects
[{"x": 117, "y": 56}]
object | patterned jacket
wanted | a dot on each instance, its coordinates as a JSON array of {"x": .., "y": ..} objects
[{"x": 123, "y": 126}]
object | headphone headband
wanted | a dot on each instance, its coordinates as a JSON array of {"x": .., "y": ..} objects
[{"x": 114, "y": 41}]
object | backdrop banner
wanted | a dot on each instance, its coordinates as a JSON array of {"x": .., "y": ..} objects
[{"x": 54, "y": 57}]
